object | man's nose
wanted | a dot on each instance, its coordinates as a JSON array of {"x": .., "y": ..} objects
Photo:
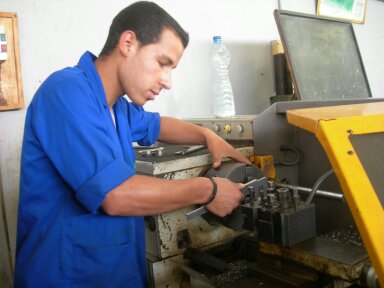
[{"x": 166, "y": 79}]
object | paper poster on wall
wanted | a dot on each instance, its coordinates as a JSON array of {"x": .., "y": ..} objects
[
  {"x": 350, "y": 10},
  {"x": 11, "y": 94}
]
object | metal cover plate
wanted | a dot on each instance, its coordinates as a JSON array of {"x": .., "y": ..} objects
[{"x": 323, "y": 57}]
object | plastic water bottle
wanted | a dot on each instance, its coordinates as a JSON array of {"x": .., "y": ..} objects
[{"x": 223, "y": 101}]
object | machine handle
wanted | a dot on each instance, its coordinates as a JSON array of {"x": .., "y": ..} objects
[{"x": 196, "y": 213}]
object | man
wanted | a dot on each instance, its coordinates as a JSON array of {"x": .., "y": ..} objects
[{"x": 81, "y": 204}]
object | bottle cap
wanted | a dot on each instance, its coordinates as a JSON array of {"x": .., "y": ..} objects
[{"x": 217, "y": 39}]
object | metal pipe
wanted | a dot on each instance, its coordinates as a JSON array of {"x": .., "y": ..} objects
[
  {"x": 317, "y": 185},
  {"x": 319, "y": 193}
]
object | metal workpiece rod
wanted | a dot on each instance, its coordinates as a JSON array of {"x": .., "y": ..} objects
[{"x": 319, "y": 193}]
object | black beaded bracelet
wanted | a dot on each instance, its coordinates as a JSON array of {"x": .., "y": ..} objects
[{"x": 214, "y": 192}]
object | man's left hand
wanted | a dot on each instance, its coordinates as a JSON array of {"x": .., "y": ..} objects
[{"x": 219, "y": 148}]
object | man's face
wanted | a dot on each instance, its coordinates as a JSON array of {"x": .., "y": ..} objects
[{"x": 148, "y": 69}]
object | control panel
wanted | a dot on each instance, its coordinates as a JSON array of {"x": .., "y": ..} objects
[{"x": 229, "y": 128}]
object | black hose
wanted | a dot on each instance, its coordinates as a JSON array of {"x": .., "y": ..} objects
[{"x": 292, "y": 149}]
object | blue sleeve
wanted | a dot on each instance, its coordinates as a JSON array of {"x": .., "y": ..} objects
[{"x": 74, "y": 130}]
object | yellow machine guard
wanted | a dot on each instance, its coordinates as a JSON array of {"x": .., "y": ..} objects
[{"x": 333, "y": 127}]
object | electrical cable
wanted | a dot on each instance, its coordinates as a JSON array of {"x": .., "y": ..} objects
[{"x": 292, "y": 149}]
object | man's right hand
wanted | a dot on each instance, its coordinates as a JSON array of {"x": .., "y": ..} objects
[{"x": 228, "y": 197}]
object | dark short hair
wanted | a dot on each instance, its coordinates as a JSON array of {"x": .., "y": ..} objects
[{"x": 147, "y": 20}]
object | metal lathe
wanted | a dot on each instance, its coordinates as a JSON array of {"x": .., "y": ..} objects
[{"x": 313, "y": 215}]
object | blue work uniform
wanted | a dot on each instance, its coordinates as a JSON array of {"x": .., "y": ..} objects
[{"x": 72, "y": 156}]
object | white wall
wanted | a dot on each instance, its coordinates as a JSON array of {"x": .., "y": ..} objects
[{"x": 54, "y": 33}]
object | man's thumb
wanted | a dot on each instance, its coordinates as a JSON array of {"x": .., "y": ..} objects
[{"x": 216, "y": 162}]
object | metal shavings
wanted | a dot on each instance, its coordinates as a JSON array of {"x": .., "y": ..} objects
[
  {"x": 236, "y": 271},
  {"x": 346, "y": 235}
]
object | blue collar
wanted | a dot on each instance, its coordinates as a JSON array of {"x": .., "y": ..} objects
[{"x": 86, "y": 64}]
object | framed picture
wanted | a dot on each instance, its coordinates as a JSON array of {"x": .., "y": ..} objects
[
  {"x": 350, "y": 10},
  {"x": 11, "y": 92}
]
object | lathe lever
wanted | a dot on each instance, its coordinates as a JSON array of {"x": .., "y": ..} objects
[{"x": 196, "y": 213}]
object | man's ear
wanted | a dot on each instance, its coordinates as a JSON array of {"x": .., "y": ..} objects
[{"x": 127, "y": 42}]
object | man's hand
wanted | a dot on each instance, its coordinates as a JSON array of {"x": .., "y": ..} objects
[
  {"x": 228, "y": 197},
  {"x": 219, "y": 148},
  {"x": 180, "y": 132}
]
